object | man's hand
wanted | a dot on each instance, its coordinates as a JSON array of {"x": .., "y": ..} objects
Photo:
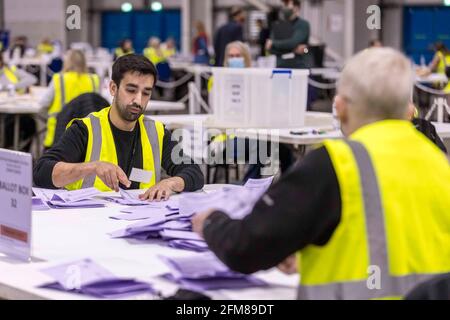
[
  {"x": 164, "y": 189},
  {"x": 199, "y": 220},
  {"x": 288, "y": 266},
  {"x": 111, "y": 175},
  {"x": 269, "y": 44},
  {"x": 301, "y": 49}
]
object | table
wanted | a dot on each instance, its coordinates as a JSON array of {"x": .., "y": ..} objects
[
  {"x": 315, "y": 119},
  {"x": 66, "y": 235},
  {"x": 17, "y": 105},
  {"x": 318, "y": 121}
]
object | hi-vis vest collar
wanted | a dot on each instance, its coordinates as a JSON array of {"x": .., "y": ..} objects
[{"x": 101, "y": 147}]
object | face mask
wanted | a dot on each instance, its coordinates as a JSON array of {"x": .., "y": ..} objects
[
  {"x": 236, "y": 62},
  {"x": 287, "y": 13}
]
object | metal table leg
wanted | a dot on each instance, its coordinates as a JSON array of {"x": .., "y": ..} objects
[{"x": 16, "y": 131}]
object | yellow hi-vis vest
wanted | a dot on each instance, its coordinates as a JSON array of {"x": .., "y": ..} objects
[
  {"x": 119, "y": 52},
  {"x": 45, "y": 48},
  {"x": 154, "y": 56},
  {"x": 395, "y": 225},
  {"x": 101, "y": 147},
  {"x": 68, "y": 86},
  {"x": 10, "y": 73}
]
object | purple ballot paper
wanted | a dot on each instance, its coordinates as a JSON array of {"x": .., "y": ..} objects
[
  {"x": 192, "y": 245},
  {"x": 38, "y": 205},
  {"x": 87, "y": 277},
  {"x": 177, "y": 234},
  {"x": 204, "y": 271}
]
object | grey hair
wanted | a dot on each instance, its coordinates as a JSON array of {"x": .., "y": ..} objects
[{"x": 377, "y": 83}]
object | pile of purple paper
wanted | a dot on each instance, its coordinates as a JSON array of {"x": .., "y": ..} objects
[
  {"x": 160, "y": 221},
  {"x": 88, "y": 278},
  {"x": 203, "y": 271}
]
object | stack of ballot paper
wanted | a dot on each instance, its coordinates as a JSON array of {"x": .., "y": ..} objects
[
  {"x": 127, "y": 199},
  {"x": 204, "y": 271},
  {"x": 87, "y": 277},
  {"x": 236, "y": 202},
  {"x": 171, "y": 220},
  {"x": 160, "y": 220},
  {"x": 64, "y": 199}
]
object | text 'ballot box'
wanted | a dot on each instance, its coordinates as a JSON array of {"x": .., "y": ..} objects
[{"x": 264, "y": 98}]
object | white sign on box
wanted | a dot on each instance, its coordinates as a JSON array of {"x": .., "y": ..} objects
[{"x": 15, "y": 203}]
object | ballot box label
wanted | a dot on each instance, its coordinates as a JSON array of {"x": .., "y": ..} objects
[{"x": 15, "y": 203}]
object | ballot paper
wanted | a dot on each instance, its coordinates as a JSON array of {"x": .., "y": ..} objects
[
  {"x": 87, "y": 277},
  {"x": 64, "y": 199},
  {"x": 76, "y": 195},
  {"x": 236, "y": 202},
  {"x": 177, "y": 234},
  {"x": 141, "y": 213},
  {"x": 152, "y": 224},
  {"x": 38, "y": 205},
  {"x": 192, "y": 245},
  {"x": 204, "y": 271}
]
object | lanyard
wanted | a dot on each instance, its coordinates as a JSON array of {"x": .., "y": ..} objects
[{"x": 134, "y": 146}]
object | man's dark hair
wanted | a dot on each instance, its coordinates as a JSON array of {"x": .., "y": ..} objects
[{"x": 132, "y": 63}]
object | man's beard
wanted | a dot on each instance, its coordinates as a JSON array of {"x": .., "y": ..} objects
[{"x": 127, "y": 113}]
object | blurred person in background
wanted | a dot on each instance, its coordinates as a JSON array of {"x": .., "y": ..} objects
[
  {"x": 126, "y": 47},
  {"x": 232, "y": 31},
  {"x": 13, "y": 79},
  {"x": 200, "y": 44},
  {"x": 154, "y": 52},
  {"x": 290, "y": 38},
  {"x": 439, "y": 64},
  {"x": 263, "y": 36},
  {"x": 45, "y": 47},
  {"x": 169, "y": 48},
  {"x": 73, "y": 81}
]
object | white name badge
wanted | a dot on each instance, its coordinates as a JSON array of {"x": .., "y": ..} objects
[
  {"x": 15, "y": 203},
  {"x": 139, "y": 175}
]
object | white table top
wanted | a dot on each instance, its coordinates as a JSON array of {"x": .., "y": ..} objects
[
  {"x": 66, "y": 235},
  {"x": 285, "y": 135},
  {"x": 20, "y": 104},
  {"x": 313, "y": 119}
]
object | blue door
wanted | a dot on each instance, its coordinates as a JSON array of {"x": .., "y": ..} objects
[
  {"x": 422, "y": 27},
  {"x": 139, "y": 26}
]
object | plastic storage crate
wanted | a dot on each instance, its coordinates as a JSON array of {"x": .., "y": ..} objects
[{"x": 263, "y": 98}]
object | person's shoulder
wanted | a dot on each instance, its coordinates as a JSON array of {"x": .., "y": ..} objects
[{"x": 302, "y": 22}]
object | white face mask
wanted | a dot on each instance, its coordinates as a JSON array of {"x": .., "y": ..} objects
[{"x": 238, "y": 62}]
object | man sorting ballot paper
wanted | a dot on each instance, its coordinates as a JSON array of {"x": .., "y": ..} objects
[{"x": 117, "y": 147}]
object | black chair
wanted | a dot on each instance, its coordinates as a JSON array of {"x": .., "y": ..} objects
[{"x": 438, "y": 288}]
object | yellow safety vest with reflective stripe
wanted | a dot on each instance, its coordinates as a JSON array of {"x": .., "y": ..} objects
[
  {"x": 101, "y": 147},
  {"x": 167, "y": 53},
  {"x": 10, "y": 73},
  {"x": 68, "y": 86},
  {"x": 444, "y": 61},
  {"x": 119, "y": 52},
  {"x": 154, "y": 56},
  {"x": 395, "y": 223},
  {"x": 45, "y": 48}
]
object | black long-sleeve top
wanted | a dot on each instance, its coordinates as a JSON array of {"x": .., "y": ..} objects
[
  {"x": 303, "y": 208},
  {"x": 71, "y": 148}
]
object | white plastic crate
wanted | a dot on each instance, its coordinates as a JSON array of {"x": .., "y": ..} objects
[{"x": 263, "y": 98}]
